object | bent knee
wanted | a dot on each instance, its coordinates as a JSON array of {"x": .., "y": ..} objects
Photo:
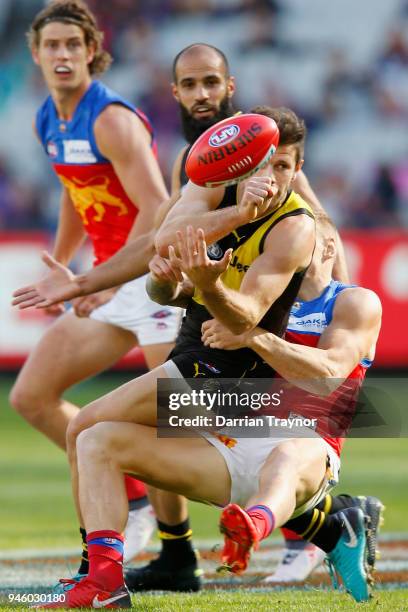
[
  {"x": 94, "y": 442},
  {"x": 30, "y": 404},
  {"x": 83, "y": 420}
]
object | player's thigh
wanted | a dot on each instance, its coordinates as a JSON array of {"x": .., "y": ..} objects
[
  {"x": 189, "y": 466},
  {"x": 303, "y": 460},
  {"x": 133, "y": 402},
  {"x": 71, "y": 350},
  {"x": 156, "y": 354}
]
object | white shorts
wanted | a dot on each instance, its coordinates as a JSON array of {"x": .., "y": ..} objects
[
  {"x": 132, "y": 309},
  {"x": 247, "y": 456}
]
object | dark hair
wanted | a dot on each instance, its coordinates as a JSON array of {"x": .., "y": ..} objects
[
  {"x": 186, "y": 49},
  {"x": 77, "y": 13},
  {"x": 292, "y": 129}
]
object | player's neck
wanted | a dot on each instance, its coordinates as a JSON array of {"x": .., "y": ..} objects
[
  {"x": 67, "y": 100},
  {"x": 313, "y": 285}
]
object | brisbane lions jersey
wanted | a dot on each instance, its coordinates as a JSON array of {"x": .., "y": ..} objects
[
  {"x": 106, "y": 211},
  {"x": 334, "y": 413}
]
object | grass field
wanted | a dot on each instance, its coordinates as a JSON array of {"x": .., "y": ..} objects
[{"x": 36, "y": 511}]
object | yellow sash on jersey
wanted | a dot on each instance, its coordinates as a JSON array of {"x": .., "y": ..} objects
[{"x": 251, "y": 246}]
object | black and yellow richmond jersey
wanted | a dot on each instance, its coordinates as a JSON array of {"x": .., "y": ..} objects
[{"x": 247, "y": 242}]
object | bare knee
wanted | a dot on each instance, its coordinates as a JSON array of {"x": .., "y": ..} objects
[
  {"x": 31, "y": 403},
  {"x": 95, "y": 443}
]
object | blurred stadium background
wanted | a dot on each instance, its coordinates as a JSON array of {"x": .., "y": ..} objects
[
  {"x": 343, "y": 66},
  {"x": 345, "y": 70}
]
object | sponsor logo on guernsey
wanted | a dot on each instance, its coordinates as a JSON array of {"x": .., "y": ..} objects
[
  {"x": 52, "y": 149},
  {"x": 314, "y": 322},
  {"x": 235, "y": 263},
  {"x": 223, "y": 135},
  {"x": 78, "y": 152}
]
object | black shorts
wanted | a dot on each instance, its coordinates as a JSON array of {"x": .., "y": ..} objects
[{"x": 206, "y": 363}]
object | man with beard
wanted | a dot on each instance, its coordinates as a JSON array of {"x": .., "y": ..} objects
[{"x": 204, "y": 88}]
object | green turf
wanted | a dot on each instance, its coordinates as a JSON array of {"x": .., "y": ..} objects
[
  {"x": 35, "y": 503},
  {"x": 294, "y": 601}
]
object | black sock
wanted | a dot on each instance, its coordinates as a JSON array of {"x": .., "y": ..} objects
[
  {"x": 84, "y": 566},
  {"x": 315, "y": 526},
  {"x": 177, "y": 550},
  {"x": 331, "y": 504}
]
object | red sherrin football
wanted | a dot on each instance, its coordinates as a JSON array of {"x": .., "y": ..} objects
[{"x": 232, "y": 150}]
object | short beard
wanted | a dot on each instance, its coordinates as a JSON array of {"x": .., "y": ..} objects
[{"x": 193, "y": 128}]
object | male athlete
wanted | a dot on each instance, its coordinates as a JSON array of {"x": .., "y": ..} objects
[
  {"x": 102, "y": 151},
  {"x": 203, "y": 87},
  {"x": 292, "y": 473},
  {"x": 330, "y": 338},
  {"x": 271, "y": 232}
]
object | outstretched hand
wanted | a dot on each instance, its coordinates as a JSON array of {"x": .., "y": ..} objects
[
  {"x": 57, "y": 286},
  {"x": 194, "y": 261}
]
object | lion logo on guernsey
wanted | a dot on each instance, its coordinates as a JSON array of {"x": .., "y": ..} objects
[
  {"x": 92, "y": 194},
  {"x": 223, "y": 135}
]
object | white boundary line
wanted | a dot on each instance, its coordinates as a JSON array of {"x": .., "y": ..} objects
[{"x": 205, "y": 544}]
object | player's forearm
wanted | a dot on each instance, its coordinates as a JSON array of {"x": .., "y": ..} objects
[
  {"x": 130, "y": 262},
  {"x": 67, "y": 243},
  {"x": 70, "y": 232},
  {"x": 239, "y": 313},
  {"x": 167, "y": 293},
  {"x": 310, "y": 368},
  {"x": 216, "y": 224}
]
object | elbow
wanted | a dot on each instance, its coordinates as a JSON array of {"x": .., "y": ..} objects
[{"x": 330, "y": 378}]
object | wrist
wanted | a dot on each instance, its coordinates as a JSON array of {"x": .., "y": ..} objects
[
  {"x": 156, "y": 281},
  {"x": 84, "y": 286},
  {"x": 242, "y": 215},
  {"x": 254, "y": 339},
  {"x": 211, "y": 287}
]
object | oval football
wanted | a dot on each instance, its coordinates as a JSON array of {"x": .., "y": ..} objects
[{"x": 232, "y": 150}]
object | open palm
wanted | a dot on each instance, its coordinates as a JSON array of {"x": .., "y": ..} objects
[{"x": 57, "y": 286}]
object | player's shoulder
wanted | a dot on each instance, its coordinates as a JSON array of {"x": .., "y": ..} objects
[
  {"x": 117, "y": 119},
  {"x": 294, "y": 223},
  {"x": 179, "y": 158},
  {"x": 176, "y": 172},
  {"x": 358, "y": 303},
  {"x": 44, "y": 109},
  {"x": 43, "y": 117}
]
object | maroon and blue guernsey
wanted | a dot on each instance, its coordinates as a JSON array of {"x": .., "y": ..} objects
[
  {"x": 334, "y": 413},
  {"x": 106, "y": 211}
]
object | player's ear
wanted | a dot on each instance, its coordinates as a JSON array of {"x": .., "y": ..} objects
[
  {"x": 34, "y": 55},
  {"x": 330, "y": 248},
  {"x": 174, "y": 91},
  {"x": 298, "y": 168},
  {"x": 231, "y": 86},
  {"x": 91, "y": 53}
]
